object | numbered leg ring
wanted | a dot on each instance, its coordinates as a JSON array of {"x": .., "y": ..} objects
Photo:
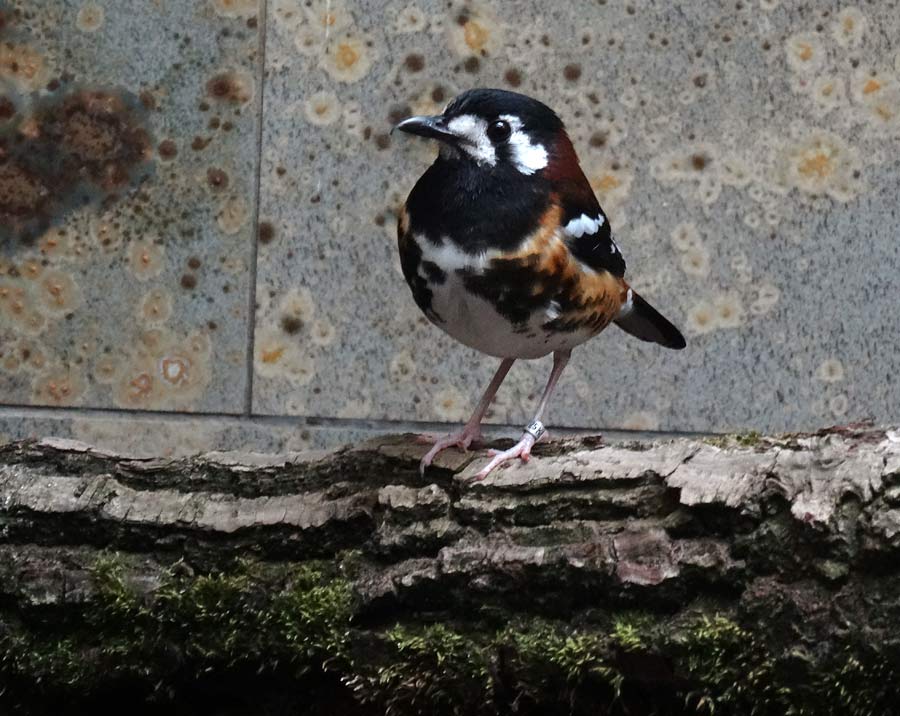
[{"x": 535, "y": 429}]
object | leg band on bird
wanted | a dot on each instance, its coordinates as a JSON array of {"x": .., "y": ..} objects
[{"x": 536, "y": 429}]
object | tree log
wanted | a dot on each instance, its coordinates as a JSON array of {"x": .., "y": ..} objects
[{"x": 738, "y": 575}]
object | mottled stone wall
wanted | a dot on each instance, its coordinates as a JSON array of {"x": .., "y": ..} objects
[{"x": 167, "y": 165}]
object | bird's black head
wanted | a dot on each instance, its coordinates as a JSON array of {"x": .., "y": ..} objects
[{"x": 493, "y": 128}]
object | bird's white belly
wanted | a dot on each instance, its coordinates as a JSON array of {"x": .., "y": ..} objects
[{"x": 473, "y": 321}]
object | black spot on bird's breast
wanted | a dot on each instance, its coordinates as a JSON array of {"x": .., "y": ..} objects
[
  {"x": 434, "y": 273},
  {"x": 410, "y": 261},
  {"x": 516, "y": 288},
  {"x": 521, "y": 288}
]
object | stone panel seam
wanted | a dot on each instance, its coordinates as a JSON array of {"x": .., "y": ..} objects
[{"x": 254, "y": 245}]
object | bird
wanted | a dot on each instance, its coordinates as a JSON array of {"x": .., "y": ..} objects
[{"x": 506, "y": 248}]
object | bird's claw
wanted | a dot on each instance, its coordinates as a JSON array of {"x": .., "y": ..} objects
[
  {"x": 466, "y": 437},
  {"x": 521, "y": 450},
  {"x": 461, "y": 440}
]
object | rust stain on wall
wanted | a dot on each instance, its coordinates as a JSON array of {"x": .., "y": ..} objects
[
  {"x": 61, "y": 146},
  {"x": 76, "y": 147}
]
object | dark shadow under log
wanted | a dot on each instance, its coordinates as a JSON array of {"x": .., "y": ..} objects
[{"x": 734, "y": 575}]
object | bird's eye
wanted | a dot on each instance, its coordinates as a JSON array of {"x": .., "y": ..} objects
[{"x": 498, "y": 131}]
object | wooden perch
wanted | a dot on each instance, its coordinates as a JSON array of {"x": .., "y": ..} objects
[{"x": 673, "y": 577}]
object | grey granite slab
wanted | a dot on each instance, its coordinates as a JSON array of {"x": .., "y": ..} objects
[
  {"x": 746, "y": 153},
  {"x": 166, "y": 434},
  {"x": 156, "y": 435},
  {"x": 127, "y": 202}
]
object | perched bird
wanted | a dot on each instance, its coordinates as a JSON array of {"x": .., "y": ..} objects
[{"x": 506, "y": 248}]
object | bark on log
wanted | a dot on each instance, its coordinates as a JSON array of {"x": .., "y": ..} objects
[{"x": 746, "y": 575}]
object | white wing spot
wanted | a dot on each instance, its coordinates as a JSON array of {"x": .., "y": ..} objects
[
  {"x": 628, "y": 306},
  {"x": 584, "y": 224}
]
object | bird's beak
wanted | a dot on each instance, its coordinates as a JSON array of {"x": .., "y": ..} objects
[{"x": 430, "y": 127}]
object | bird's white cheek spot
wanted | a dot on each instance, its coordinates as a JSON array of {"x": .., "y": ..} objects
[
  {"x": 474, "y": 141},
  {"x": 527, "y": 157},
  {"x": 584, "y": 224}
]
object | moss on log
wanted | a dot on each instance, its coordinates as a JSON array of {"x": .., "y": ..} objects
[{"x": 746, "y": 575}]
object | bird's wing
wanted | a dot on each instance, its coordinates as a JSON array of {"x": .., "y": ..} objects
[
  {"x": 586, "y": 229},
  {"x": 545, "y": 276}
]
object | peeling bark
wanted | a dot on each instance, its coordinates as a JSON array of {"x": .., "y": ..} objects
[{"x": 796, "y": 538}]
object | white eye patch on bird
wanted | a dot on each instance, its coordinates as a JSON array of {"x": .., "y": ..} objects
[
  {"x": 485, "y": 140},
  {"x": 528, "y": 156},
  {"x": 470, "y": 134}
]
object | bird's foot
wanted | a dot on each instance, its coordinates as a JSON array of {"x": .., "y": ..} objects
[
  {"x": 522, "y": 449},
  {"x": 463, "y": 439}
]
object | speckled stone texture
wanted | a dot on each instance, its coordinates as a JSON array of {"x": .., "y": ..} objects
[
  {"x": 746, "y": 153},
  {"x": 126, "y": 251}
]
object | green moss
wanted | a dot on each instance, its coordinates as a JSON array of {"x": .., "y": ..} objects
[
  {"x": 859, "y": 682},
  {"x": 731, "y": 669},
  {"x": 537, "y": 664},
  {"x": 546, "y": 658},
  {"x": 431, "y": 670},
  {"x": 634, "y": 631},
  {"x": 56, "y": 662},
  {"x": 747, "y": 439},
  {"x": 188, "y": 625},
  {"x": 735, "y": 672},
  {"x": 253, "y": 618}
]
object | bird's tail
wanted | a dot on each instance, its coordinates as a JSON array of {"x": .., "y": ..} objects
[{"x": 643, "y": 321}]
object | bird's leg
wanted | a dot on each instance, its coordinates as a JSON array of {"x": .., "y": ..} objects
[
  {"x": 472, "y": 429},
  {"x": 535, "y": 429}
]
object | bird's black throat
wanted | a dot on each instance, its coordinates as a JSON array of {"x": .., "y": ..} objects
[{"x": 478, "y": 207}]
